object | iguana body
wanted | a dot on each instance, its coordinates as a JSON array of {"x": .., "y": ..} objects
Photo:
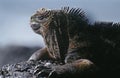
[{"x": 68, "y": 36}]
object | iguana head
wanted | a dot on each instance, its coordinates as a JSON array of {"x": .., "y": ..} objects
[{"x": 40, "y": 20}]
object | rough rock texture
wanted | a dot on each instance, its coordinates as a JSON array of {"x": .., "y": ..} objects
[
  {"x": 21, "y": 70},
  {"x": 44, "y": 69},
  {"x": 50, "y": 69}
]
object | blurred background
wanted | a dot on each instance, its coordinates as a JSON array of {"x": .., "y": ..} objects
[{"x": 18, "y": 41}]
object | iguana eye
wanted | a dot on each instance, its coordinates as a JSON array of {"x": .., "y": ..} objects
[{"x": 40, "y": 17}]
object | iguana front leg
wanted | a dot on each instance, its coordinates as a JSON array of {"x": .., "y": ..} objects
[{"x": 41, "y": 54}]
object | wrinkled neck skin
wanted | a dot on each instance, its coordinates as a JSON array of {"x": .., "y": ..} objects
[{"x": 57, "y": 43}]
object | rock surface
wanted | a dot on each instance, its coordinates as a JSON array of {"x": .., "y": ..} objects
[{"x": 23, "y": 69}]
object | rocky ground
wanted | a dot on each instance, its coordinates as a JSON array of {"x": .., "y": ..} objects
[
  {"x": 45, "y": 69},
  {"x": 26, "y": 70}
]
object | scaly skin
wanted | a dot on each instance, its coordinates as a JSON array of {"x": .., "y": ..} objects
[{"x": 69, "y": 37}]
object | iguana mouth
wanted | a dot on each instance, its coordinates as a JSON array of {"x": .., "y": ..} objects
[{"x": 35, "y": 26}]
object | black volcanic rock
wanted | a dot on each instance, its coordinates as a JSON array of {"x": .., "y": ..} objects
[{"x": 25, "y": 69}]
